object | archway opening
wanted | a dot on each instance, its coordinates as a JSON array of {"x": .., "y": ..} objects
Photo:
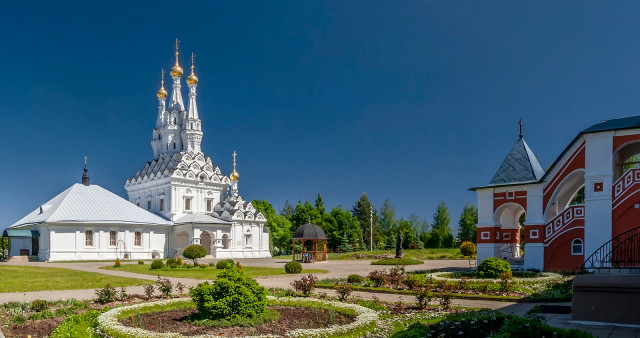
[
  {"x": 508, "y": 219},
  {"x": 569, "y": 192},
  {"x": 205, "y": 241},
  {"x": 625, "y": 159}
]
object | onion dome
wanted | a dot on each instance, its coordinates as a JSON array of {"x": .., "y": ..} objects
[
  {"x": 234, "y": 175},
  {"x": 162, "y": 93},
  {"x": 176, "y": 70},
  {"x": 192, "y": 79}
]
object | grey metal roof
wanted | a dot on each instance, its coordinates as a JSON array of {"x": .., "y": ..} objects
[
  {"x": 90, "y": 204},
  {"x": 615, "y": 124},
  {"x": 201, "y": 219},
  {"x": 520, "y": 165},
  {"x": 309, "y": 231}
]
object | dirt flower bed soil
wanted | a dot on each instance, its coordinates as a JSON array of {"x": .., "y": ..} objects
[{"x": 290, "y": 318}]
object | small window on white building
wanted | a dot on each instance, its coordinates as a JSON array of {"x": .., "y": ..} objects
[
  {"x": 187, "y": 204},
  {"x": 576, "y": 247},
  {"x": 148, "y": 205},
  {"x": 138, "y": 204},
  {"x": 112, "y": 238},
  {"x": 162, "y": 204},
  {"x": 137, "y": 239},
  {"x": 247, "y": 240},
  {"x": 88, "y": 238},
  {"x": 209, "y": 205}
]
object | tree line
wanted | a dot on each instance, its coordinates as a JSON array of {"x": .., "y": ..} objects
[{"x": 350, "y": 230}]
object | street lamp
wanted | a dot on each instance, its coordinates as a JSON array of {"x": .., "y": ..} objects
[{"x": 371, "y": 231}]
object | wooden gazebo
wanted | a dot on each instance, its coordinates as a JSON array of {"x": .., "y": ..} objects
[{"x": 309, "y": 244}]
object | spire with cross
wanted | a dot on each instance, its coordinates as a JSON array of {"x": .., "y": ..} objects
[{"x": 520, "y": 123}]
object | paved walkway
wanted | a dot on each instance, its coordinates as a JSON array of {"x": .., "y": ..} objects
[{"x": 336, "y": 269}]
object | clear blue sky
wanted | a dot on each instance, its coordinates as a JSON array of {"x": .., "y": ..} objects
[{"x": 412, "y": 101}]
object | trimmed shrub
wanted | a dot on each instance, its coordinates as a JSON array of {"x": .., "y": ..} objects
[
  {"x": 293, "y": 267},
  {"x": 194, "y": 251},
  {"x": 179, "y": 261},
  {"x": 225, "y": 264},
  {"x": 232, "y": 295},
  {"x": 468, "y": 249},
  {"x": 39, "y": 305},
  {"x": 157, "y": 264},
  {"x": 397, "y": 261},
  {"x": 170, "y": 261},
  {"x": 202, "y": 266},
  {"x": 492, "y": 267},
  {"x": 140, "y": 262},
  {"x": 355, "y": 279},
  {"x": 117, "y": 263}
]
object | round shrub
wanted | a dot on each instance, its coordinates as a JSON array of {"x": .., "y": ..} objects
[
  {"x": 140, "y": 262},
  {"x": 194, "y": 251},
  {"x": 492, "y": 267},
  {"x": 232, "y": 295},
  {"x": 157, "y": 264},
  {"x": 468, "y": 249},
  {"x": 225, "y": 264},
  {"x": 355, "y": 279},
  {"x": 179, "y": 260},
  {"x": 170, "y": 261},
  {"x": 117, "y": 263},
  {"x": 293, "y": 267},
  {"x": 39, "y": 305}
]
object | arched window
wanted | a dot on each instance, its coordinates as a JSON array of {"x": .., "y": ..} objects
[{"x": 576, "y": 247}]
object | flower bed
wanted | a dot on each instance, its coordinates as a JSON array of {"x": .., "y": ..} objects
[
  {"x": 109, "y": 325},
  {"x": 545, "y": 277}
]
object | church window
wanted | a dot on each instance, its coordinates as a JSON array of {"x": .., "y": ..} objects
[
  {"x": 162, "y": 204},
  {"x": 137, "y": 204},
  {"x": 187, "y": 204},
  {"x": 174, "y": 145},
  {"x": 247, "y": 240},
  {"x": 112, "y": 238},
  {"x": 148, "y": 205},
  {"x": 88, "y": 238},
  {"x": 576, "y": 247},
  {"x": 174, "y": 120},
  {"x": 137, "y": 239},
  {"x": 209, "y": 205}
]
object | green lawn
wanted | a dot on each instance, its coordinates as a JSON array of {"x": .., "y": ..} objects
[
  {"x": 208, "y": 273},
  {"x": 419, "y": 254},
  {"x": 33, "y": 278}
]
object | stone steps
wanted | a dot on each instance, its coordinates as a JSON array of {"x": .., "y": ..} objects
[{"x": 22, "y": 259}]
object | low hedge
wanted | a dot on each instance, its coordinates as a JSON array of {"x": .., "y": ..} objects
[
  {"x": 293, "y": 267},
  {"x": 397, "y": 261}
]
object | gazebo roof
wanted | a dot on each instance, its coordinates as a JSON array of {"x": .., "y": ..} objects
[{"x": 309, "y": 231}]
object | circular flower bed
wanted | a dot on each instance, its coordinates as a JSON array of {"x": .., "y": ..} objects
[
  {"x": 109, "y": 325},
  {"x": 544, "y": 277}
]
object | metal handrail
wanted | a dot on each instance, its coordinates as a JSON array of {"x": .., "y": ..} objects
[{"x": 622, "y": 251}]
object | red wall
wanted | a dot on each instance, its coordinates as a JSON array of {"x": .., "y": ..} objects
[
  {"x": 558, "y": 257},
  {"x": 625, "y": 215},
  {"x": 576, "y": 161}
]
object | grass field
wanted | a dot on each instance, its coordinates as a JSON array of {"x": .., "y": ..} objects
[
  {"x": 419, "y": 254},
  {"x": 32, "y": 278},
  {"x": 197, "y": 273}
]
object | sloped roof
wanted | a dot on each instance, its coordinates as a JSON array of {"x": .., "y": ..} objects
[
  {"x": 90, "y": 204},
  {"x": 520, "y": 165},
  {"x": 309, "y": 231},
  {"x": 615, "y": 124},
  {"x": 202, "y": 219}
]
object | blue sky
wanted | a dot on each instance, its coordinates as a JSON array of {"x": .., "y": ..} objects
[{"x": 411, "y": 101}]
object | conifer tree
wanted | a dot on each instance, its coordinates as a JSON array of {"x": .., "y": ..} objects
[
  {"x": 362, "y": 211},
  {"x": 467, "y": 223},
  {"x": 440, "y": 229}
]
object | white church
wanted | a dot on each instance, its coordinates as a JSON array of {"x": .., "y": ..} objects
[{"x": 177, "y": 199}]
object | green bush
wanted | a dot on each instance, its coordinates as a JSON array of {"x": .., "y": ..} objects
[
  {"x": 355, "y": 279},
  {"x": 106, "y": 294},
  {"x": 170, "y": 261},
  {"x": 293, "y": 267},
  {"x": 117, "y": 264},
  {"x": 468, "y": 249},
  {"x": 39, "y": 305},
  {"x": 140, "y": 262},
  {"x": 194, "y": 251},
  {"x": 232, "y": 295},
  {"x": 77, "y": 325},
  {"x": 492, "y": 267},
  {"x": 179, "y": 261},
  {"x": 157, "y": 264},
  {"x": 225, "y": 264}
]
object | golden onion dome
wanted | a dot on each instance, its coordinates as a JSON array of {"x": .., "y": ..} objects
[
  {"x": 176, "y": 71},
  {"x": 162, "y": 93},
  {"x": 234, "y": 175},
  {"x": 192, "y": 79}
]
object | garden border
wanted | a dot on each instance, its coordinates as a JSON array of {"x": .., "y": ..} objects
[
  {"x": 108, "y": 321},
  {"x": 550, "y": 276}
]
